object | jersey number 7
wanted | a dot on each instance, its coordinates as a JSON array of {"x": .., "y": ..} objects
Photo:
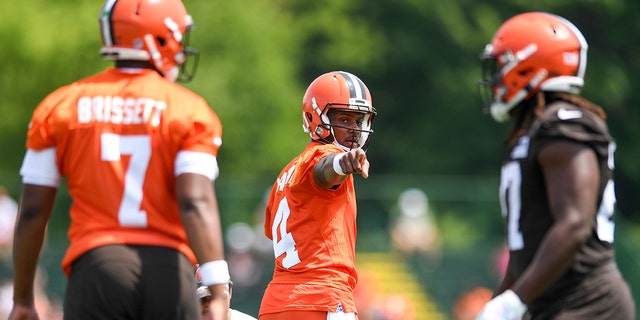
[{"x": 112, "y": 146}]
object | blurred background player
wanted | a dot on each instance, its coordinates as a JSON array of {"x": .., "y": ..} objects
[
  {"x": 8, "y": 214},
  {"x": 557, "y": 189},
  {"x": 139, "y": 155},
  {"x": 414, "y": 230},
  {"x": 204, "y": 295},
  {"x": 311, "y": 212}
]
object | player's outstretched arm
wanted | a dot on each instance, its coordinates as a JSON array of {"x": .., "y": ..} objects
[{"x": 333, "y": 169}]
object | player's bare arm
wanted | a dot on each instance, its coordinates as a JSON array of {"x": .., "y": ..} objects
[
  {"x": 571, "y": 171},
  {"x": 507, "y": 280},
  {"x": 199, "y": 210},
  {"x": 35, "y": 211}
]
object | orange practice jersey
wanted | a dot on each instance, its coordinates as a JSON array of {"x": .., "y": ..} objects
[
  {"x": 314, "y": 234},
  {"x": 116, "y": 136}
]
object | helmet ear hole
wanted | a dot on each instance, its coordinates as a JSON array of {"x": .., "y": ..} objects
[
  {"x": 161, "y": 41},
  {"x": 309, "y": 116},
  {"x": 525, "y": 72}
]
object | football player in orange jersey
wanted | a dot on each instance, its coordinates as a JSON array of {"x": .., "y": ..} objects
[
  {"x": 138, "y": 153},
  {"x": 311, "y": 211}
]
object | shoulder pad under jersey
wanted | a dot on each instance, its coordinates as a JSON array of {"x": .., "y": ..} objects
[{"x": 563, "y": 120}]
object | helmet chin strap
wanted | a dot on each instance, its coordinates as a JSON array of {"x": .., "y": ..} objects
[
  {"x": 172, "y": 74},
  {"x": 500, "y": 111}
]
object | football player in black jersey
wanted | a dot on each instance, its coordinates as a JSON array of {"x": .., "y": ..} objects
[{"x": 556, "y": 190}]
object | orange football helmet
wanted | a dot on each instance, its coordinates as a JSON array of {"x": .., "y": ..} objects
[
  {"x": 336, "y": 90},
  {"x": 531, "y": 52},
  {"x": 148, "y": 30}
]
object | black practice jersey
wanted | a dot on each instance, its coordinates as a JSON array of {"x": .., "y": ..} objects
[{"x": 525, "y": 206}]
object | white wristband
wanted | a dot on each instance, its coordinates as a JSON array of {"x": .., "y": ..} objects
[
  {"x": 214, "y": 272},
  {"x": 336, "y": 164},
  {"x": 506, "y": 306}
]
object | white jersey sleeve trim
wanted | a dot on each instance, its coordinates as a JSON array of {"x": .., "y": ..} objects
[
  {"x": 197, "y": 162},
  {"x": 40, "y": 168}
]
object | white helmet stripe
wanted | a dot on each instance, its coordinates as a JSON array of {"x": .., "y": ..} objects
[
  {"x": 105, "y": 22},
  {"x": 582, "y": 66}
]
